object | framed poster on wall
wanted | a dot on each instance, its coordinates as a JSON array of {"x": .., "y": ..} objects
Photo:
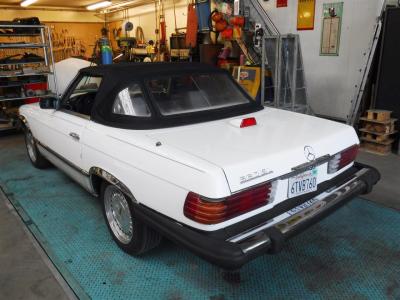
[
  {"x": 281, "y": 3},
  {"x": 305, "y": 14},
  {"x": 331, "y": 28}
]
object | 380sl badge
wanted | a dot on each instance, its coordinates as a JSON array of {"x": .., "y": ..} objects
[{"x": 254, "y": 175}]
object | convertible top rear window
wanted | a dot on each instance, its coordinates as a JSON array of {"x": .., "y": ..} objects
[
  {"x": 161, "y": 95},
  {"x": 187, "y": 93}
]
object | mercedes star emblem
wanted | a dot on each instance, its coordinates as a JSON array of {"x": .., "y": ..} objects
[{"x": 309, "y": 153}]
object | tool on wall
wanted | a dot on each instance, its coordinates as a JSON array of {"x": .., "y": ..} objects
[
  {"x": 192, "y": 26},
  {"x": 258, "y": 35},
  {"x": 161, "y": 47}
]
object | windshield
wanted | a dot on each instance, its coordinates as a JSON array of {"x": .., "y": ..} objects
[{"x": 194, "y": 92}]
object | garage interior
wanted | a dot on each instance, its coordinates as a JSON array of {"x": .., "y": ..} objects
[{"x": 336, "y": 60}]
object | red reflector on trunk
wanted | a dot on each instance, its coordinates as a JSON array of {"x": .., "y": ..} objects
[
  {"x": 248, "y": 122},
  {"x": 210, "y": 211}
]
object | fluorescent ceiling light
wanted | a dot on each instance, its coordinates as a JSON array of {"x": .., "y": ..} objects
[
  {"x": 27, "y": 2},
  {"x": 122, "y": 4},
  {"x": 97, "y": 5}
]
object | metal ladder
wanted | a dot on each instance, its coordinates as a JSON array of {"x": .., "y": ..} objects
[
  {"x": 286, "y": 63},
  {"x": 281, "y": 55},
  {"x": 354, "y": 112}
]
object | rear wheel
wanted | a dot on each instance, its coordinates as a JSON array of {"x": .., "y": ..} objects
[
  {"x": 36, "y": 158},
  {"x": 131, "y": 235}
]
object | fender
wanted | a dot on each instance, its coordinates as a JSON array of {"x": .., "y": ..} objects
[
  {"x": 99, "y": 172},
  {"x": 23, "y": 122}
]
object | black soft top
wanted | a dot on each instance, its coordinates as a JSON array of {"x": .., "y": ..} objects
[
  {"x": 116, "y": 77},
  {"x": 120, "y": 71}
]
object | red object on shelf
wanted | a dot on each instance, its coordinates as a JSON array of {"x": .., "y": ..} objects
[
  {"x": 191, "y": 27},
  {"x": 281, "y": 3},
  {"x": 237, "y": 21},
  {"x": 32, "y": 87},
  {"x": 227, "y": 33}
]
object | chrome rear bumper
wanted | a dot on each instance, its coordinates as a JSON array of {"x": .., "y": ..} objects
[
  {"x": 258, "y": 236},
  {"x": 235, "y": 245}
]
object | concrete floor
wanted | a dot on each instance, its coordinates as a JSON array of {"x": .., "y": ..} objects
[
  {"x": 387, "y": 191},
  {"x": 26, "y": 272}
]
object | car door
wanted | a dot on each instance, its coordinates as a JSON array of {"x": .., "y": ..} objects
[{"x": 67, "y": 123}]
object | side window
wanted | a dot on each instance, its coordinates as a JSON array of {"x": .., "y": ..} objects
[
  {"x": 131, "y": 102},
  {"x": 82, "y": 98}
]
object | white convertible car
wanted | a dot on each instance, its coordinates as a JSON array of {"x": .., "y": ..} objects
[{"x": 180, "y": 150}]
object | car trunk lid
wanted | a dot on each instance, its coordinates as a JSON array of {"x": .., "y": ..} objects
[{"x": 255, "y": 154}]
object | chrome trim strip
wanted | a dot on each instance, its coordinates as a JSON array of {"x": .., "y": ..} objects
[
  {"x": 249, "y": 232},
  {"x": 76, "y": 114},
  {"x": 111, "y": 179},
  {"x": 311, "y": 164},
  {"x": 23, "y": 120},
  {"x": 64, "y": 160},
  {"x": 254, "y": 241},
  {"x": 81, "y": 176},
  {"x": 336, "y": 195},
  {"x": 74, "y": 173},
  {"x": 305, "y": 167}
]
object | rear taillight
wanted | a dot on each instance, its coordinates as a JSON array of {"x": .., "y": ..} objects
[
  {"x": 210, "y": 211},
  {"x": 342, "y": 159}
]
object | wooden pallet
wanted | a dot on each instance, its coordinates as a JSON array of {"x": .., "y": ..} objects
[
  {"x": 378, "y": 114},
  {"x": 379, "y": 126},
  {"x": 376, "y": 136},
  {"x": 376, "y": 148},
  {"x": 372, "y": 140},
  {"x": 377, "y": 121}
]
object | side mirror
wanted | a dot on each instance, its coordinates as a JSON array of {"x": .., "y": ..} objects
[{"x": 48, "y": 103}]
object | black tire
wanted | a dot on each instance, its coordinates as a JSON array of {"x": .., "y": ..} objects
[
  {"x": 36, "y": 158},
  {"x": 142, "y": 239}
]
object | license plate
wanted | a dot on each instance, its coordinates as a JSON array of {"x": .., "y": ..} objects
[{"x": 303, "y": 183}]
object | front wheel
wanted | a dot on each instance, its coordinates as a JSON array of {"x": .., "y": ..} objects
[
  {"x": 130, "y": 234},
  {"x": 36, "y": 158}
]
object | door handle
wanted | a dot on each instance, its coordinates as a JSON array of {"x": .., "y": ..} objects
[{"x": 74, "y": 135}]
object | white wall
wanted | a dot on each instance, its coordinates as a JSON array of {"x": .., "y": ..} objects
[{"x": 331, "y": 80}]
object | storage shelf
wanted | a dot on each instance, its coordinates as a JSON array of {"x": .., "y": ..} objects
[
  {"x": 18, "y": 70},
  {"x": 18, "y": 34},
  {"x": 22, "y": 46},
  {"x": 2, "y": 129},
  {"x": 25, "y": 98},
  {"x": 11, "y": 85},
  {"x": 25, "y": 74},
  {"x": 2, "y": 25},
  {"x": 22, "y": 63}
]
